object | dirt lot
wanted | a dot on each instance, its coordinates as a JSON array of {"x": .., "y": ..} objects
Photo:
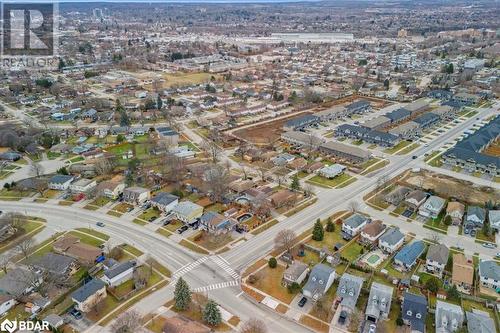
[
  {"x": 449, "y": 187},
  {"x": 263, "y": 134},
  {"x": 493, "y": 149}
]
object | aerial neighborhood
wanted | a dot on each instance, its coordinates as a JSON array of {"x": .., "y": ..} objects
[{"x": 251, "y": 167}]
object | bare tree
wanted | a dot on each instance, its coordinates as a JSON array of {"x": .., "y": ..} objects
[
  {"x": 355, "y": 320},
  {"x": 244, "y": 171},
  {"x": 381, "y": 182},
  {"x": 322, "y": 308},
  {"x": 262, "y": 173},
  {"x": 128, "y": 322},
  {"x": 141, "y": 277},
  {"x": 4, "y": 263},
  {"x": 435, "y": 237},
  {"x": 253, "y": 325},
  {"x": 285, "y": 239},
  {"x": 25, "y": 247},
  {"x": 308, "y": 189},
  {"x": 36, "y": 169},
  {"x": 353, "y": 206},
  {"x": 212, "y": 149},
  {"x": 104, "y": 166},
  {"x": 216, "y": 182},
  {"x": 280, "y": 175}
]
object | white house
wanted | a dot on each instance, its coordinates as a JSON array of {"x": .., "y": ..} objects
[
  {"x": 60, "y": 182},
  {"x": 82, "y": 185},
  {"x": 136, "y": 195},
  {"x": 110, "y": 189},
  {"x": 437, "y": 258},
  {"x": 7, "y": 302},
  {"x": 489, "y": 274},
  {"x": 119, "y": 274},
  {"x": 353, "y": 225},
  {"x": 391, "y": 240}
]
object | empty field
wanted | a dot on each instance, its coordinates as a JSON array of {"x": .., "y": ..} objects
[{"x": 493, "y": 149}]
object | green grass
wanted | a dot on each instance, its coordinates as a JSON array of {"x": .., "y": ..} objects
[
  {"x": 149, "y": 213},
  {"x": 373, "y": 164},
  {"x": 134, "y": 251},
  {"x": 93, "y": 232},
  {"x": 193, "y": 247},
  {"x": 357, "y": 142},
  {"x": 401, "y": 145},
  {"x": 329, "y": 239},
  {"x": 87, "y": 239},
  {"x": 329, "y": 182},
  {"x": 408, "y": 149},
  {"x": 264, "y": 227},
  {"x": 351, "y": 252}
]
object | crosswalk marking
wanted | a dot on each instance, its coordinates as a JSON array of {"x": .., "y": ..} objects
[
  {"x": 215, "y": 286},
  {"x": 225, "y": 266},
  {"x": 186, "y": 268}
]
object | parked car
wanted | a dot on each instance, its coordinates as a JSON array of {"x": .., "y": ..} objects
[
  {"x": 182, "y": 229},
  {"x": 76, "y": 314},
  {"x": 302, "y": 302},
  {"x": 414, "y": 157},
  {"x": 372, "y": 328},
  {"x": 166, "y": 222},
  {"x": 152, "y": 218},
  {"x": 473, "y": 233},
  {"x": 489, "y": 245},
  {"x": 100, "y": 224},
  {"x": 239, "y": 229}
]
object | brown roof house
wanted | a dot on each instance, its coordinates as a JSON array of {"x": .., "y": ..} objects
[
  {"x": 283, "y": 198},
  {"x": 371, "y": 232},
  {"x": 415, "y": 199},
  {"x": 298, "y": 164},
  {"x": 456, "y": 211},
  {"x": 463, "y": 273},
  {"x": 71, "y": 246}
]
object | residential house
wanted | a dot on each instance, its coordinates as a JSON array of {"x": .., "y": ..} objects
[
  {"x": 455, "y": 210},
  {"x": 302, "y": 139},
  {"x": 414, "y": 311},
  {"x": 84, "y": 253},
  {"x": 353, "y": 225},
  {"x": 164, "y": 201},
  {"x": 89, "y": 294},
  {"x": 427, "y": 120},
  {"x": 119, "y": 273},
  {"x": 320, "y": 280},
  {"x": 332, "y": 171},
  {"x": 398, "y": 115},
  {"x": 187, "y": 211},
  {"x": 136, "y": 195},
  {"x": 55, "y": 264},
  {"x": 480, "y": 322},
  {"x": 19, "y": 281},
  {"x": 357, "y": 107},
  {"x": 379, "y": 302},
  {"x": 82, "y": 185},
  {"x": 468, "y": 153},
  {"x": 372, "y": 232},
  {"x": 296, "y": 273},
  {"x": 407, "y": 257},
  {"x": 301, "y": 122},
  {"x": 397, "y": 195},
  {"x": 475, "y": 217},
  {"x": 168, "y": 135},
  {"x": 407, "y": 131},
  {"x": 415, "y": 199},
  {"x": 377, "y": 123},
  {"x": 7, "y": 302},
  {"x": 110, "y": 189},
  {"x": 60, "y": 182},
  {"x": 342, "y": 151},
  {"x": 463, "y": 273},
  {"x": 437, "y": 258},
  {"x": 54, "y": 321},
  {"x": 448, "y": 317},
  {"x": 348, "y": 291},
  {"x": 489, "y": 274},
  {"x": 494, "y": 219},
  {"x": 282, "y": 198},
  {"x": 432, "y": 207},
  {"x": 391, "y": 240},
  {"x": 216, "y": 223}
]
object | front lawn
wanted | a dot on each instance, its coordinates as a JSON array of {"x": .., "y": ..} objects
[
  {"x": 329, "y": 240},
  {"x": 150, "y": 213},
  {"x": 269, "y": 281},
  {"x": 329, "y": 182},
  {"x": 351, "y": 252},
  {"x": 399, "y": 146},
  {"x": 86, "y": 239}
]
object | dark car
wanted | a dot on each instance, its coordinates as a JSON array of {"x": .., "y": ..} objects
[
  {"x": 182, "y": 229},
  {"x": 152, "y": 218},
  {"x": 342, "y": 317},
  {"x": 302, "y": 302},
  {"x": 239, "y": 229},
  {"x": 167, "y": 222},
  {"x": 76, "y": 314},
  {"x": 414, "y": 157},
  {"x": 100, "y": 224}
]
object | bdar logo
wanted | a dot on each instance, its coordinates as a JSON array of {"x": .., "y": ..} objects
[{"x": 8, "y": 326}]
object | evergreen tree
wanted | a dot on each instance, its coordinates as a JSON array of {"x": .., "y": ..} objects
[
  {"x": 295, "y": 183},
  {"x": 159, "y": 102},
  {"x": 182, "y": 295},
  {"x": 453, "y": 293},
  {"x": 318, "y": 232},
  {"x": 211, "y": 314},
  {"x": 272, "y": 262},
  {"x": 330, "y": 227}
]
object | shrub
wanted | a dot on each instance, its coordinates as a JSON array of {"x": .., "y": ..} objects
[
  {"x": 293, "y": 288},
  {"x": 273, "y": 262}
]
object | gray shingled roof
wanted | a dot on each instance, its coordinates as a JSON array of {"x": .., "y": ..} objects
[
  {"x": 438, "y": 253},
  {"x": 87, "y": 290}
]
